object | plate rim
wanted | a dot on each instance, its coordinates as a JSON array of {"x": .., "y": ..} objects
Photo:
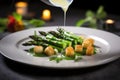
[{"x": 112, "y": 59}]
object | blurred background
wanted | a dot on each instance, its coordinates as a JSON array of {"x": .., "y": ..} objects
[
  {"x": 110, "y": 6},
  {"x": 76, "y": 11}
]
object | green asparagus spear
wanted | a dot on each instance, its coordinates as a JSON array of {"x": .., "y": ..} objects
[
  {"x": 58, "y": 35},
  {"x": 52, "y": 37},
  {"x": 29, "y": 43},
  {"x": 43, "y": 33},
  {"x": 49, "y": 41},
  {"x": 70, "y": 35}
]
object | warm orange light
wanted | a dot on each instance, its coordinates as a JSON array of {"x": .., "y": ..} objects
[
  {"x": 109, "y": 21},
  {"x": 21, "y": 4},
  {"x": 46, "y": 15},
  {"x": 21, "y": 8}
]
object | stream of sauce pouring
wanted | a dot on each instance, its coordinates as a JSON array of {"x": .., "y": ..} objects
[{"x": 64, "y": 4}]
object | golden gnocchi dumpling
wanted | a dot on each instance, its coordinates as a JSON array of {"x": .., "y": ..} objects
[
  {"x": 90, "y": 50},
  {"x": 78, "y": 48},
  {"x": 88, "y": 42},
  {"x": 38, "y": 49},
  {"x": 91, "y": 40},
  {"x": 49, "y": 51},
  {"x": 69, "y": 51}
]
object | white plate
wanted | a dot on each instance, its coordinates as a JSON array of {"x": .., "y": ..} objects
[{"x": 11, "y": 47}]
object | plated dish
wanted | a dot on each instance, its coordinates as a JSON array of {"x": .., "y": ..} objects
[
  {"x": 60, "y": 45},
  {"x": 12, "y": 47}
]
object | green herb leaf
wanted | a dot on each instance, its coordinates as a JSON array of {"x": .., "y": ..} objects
[
  {"x": 77, "y": 58},
  {"x": 80, "y": 22},
  {"x": 18, "y": 17},
  {"x": 56, "y": 58},
  {"x": 3, "y": 22},
  {"x": 101, "y": 14},
  {"x": 69, "y": 58},
  {"x": 2, "y": 29},
  {"x": 92, "y": 17},
  {"x": 90, "y": 13},
  {"x": 93, "y": 23},
  {"x": 37, "y": 22}
]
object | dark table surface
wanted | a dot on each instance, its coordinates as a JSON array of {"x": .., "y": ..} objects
[{"x": 12, "y": 70}]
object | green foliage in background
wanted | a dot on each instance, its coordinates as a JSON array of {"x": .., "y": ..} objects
[
  {"x": 36, "y": 22},
  {"x": 92, "y": 18},
  {"x": 3, "y": 24},
  {"x": 17, "y": 17},
  {"x": 27, "y": 23}
]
